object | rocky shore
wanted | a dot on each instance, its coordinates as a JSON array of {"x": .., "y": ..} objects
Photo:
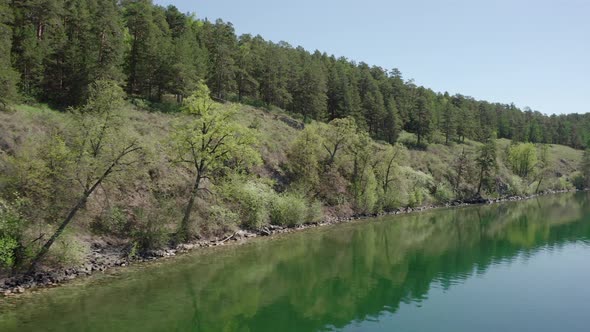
[{"x": 106, "y": 256}]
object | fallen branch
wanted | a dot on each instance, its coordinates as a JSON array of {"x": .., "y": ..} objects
[{"x": 227, "y": 238}]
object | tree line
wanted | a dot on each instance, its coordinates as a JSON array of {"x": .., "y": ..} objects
[{"x": 57, "y": 48}]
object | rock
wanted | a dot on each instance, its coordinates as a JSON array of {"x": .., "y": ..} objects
[
  {"x": 292, "y": 122},
  {"x": 185, "y": 247}
]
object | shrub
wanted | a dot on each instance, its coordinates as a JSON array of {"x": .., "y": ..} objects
[
  {"x": 390, "y": 202},
  {"x": 315, "y": 212},
  {"x": 523, "y": 158},
  {"x": 288, "y": 210},
  {"x": 443, "y": 193},
  {"x": 565, "y": 184},
  {"x": 113, "y": 221},
  {"x": 516, "y": 186},
  {"x": 11, "y": 224},
  {"x": 367, "y": 197},
  {"x": 8, "y": 246},
  {"x": 333, "y": 188},
  {"x": 578, "y": 181},
  {"x": 418, "y": 184},
  {"x": 221, "y": 220},
  {"x": 252, "y": 199},
  {"x": 148, "y": 229},
  {"x": 69, "y": 251},
  {"x": 416, "y": 198}
]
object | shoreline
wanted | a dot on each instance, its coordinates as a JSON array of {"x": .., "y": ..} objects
[{"x": 104, "y": 257}]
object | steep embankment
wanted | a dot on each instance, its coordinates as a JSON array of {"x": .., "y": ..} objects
[{"x": 138, "y": 212}]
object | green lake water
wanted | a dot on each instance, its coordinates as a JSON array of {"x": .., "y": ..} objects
[{"x": 522, "y": 266}]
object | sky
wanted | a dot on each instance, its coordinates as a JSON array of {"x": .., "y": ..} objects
[{"x": 534, "y": 53}]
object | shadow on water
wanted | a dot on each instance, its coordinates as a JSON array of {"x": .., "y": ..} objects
[{"x": 309, "y": 281}]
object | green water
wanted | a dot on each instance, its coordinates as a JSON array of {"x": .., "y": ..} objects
[{"x": 512, "y": 267}]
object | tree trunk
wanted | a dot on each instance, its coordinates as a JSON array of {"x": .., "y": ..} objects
[
  {"x": 57, "y": 233},
  {"x": 184, "y": 231},
  {"x": 538, "y": 185},
  {"x": 480, "y": 182},
  {"x": 87, "y": 192}
]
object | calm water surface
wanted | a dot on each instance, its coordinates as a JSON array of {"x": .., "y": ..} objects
[{"x": 513, "y": 267}]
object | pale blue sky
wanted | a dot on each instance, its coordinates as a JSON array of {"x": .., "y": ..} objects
[{"x": 534, "y": 53}]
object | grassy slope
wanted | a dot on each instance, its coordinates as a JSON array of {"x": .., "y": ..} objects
[{"x": 276, "y": 134}]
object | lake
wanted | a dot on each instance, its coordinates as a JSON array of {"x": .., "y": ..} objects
[{"x": 519, "y": 266}]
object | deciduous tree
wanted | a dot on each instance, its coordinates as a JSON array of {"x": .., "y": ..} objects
[{"x": 208, "y": 141}]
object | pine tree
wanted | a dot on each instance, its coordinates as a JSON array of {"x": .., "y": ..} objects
[
  {"x": 420, "y": 119},
  {"x": 8, "y": 76},
  {"x": 221, "y": 43},
  {"x": 143, "y": 59},
  {"x": 339, "y": 95},
  {"x": 449, "y": 124},
  {"x": 272, "y": 76},
  {"x": 391, "y": 122},
  {"x": 247, "y": 60},
  {"x": 309, "y": 97},
  {"x": 465, "y": 125},
  {"x": 36, "y": 31},
  {"x": 109, "y": 41},
  {"x": 188, "y": 64},
  {"x": 487, "y": 163},
  {"x": 372, "y": 103}
]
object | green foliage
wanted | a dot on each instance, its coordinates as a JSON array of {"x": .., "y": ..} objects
[
  {"x": 368, "y": 197},
  {"x": 8, "y": 76},
  {"x": 8, "y": 247},
  {"x": 69, "y": 251},
  {"x": 70, "y": 165},
  {"x": 487, "y": 163},
  {"x": 585, "y": 169},
  {"x": 304, "y": 160},
  {"x": 211, "y": 137},
  {"x": 516, "y": 186},
  {"x": 443, "y": 193},
  {"x": 112, "y": 221},
  {"x": 523, "y": 158},
  {"x": 54, "y": 50},
  {"x": 363, "y": 181},
  {"x": 148, "y": 228},
  {"x": 210, "y": 143},
  {"x": 80, "y": 53},
  {"x": 416, "y": 197},
  {"x": 222, "y": 220},
  {"x": 12, "y": 225},
  {"x": 288, "y": 210},
  {"x": 387, "y": 161},
  {"x": 337, "y": 136},
  {"x": 579, "y": 181},
  {"x": 292, "y": 209},
  {"x": 315, "y": 212},
  {"x": 252, "y": 199},
  {"x": 419, "y": 185},
  {"x": 421, "y": 120},
  {"x": 449, "y": 122}
]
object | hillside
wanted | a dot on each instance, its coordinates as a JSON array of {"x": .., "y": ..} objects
[
  {"x": 55, "y": 51},
  {"x": 286, "y": 176}
]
